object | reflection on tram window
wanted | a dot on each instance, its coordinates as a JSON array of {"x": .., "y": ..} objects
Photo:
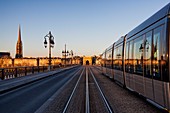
[
  {"x": 109, "y": 58},
  {"x": 118, "y": 58},
  {"x": 103, "y": 60},
  {"x": 131, "y": 69},
  {"x": 156, "y": 63},
  {"x": 147, "y": 55},
  {"x": 138, "y": 55},
  {"x": 127, "y": 66},
  {"x": 164, "y": 58}
]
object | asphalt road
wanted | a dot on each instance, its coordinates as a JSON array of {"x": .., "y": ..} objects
[{"x": 29, "y": 98}]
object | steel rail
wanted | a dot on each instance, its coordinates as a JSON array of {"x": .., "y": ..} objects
[
  {"x": 44, "y": 106},
  {"x": 69, "y": 100},
  {"x": 87, "y": 94},
  {"x": 102, "y": 95}
]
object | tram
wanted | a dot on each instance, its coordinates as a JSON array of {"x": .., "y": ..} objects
[{"x": 140, "y": 60}]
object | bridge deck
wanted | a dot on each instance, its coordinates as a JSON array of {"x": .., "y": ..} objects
[{"x": 10, "y": 84}]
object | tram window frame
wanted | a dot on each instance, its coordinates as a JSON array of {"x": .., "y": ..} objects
[
  {"x": 131, "y": 64},
  {"x": 114, "y": 58},
  {"x": 164, "y": 56},
  {"x": 109, "y": 58},
  {"x": 156, "y": 53},
  {"x": 103, "y": 60},
  {"x": 127, "y": 65},
  {"x": 148, "y": 49},
  {"x": 138, "y": 55},
  {"x": 117, "y": 64}
]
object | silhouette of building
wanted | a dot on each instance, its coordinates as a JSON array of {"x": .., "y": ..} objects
[
  {"x": 4, "y": 54},
  {"x": 19, "y": 49}
]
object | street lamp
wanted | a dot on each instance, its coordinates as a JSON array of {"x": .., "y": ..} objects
[
  {"x": 71, "y": 54},
  {"x": 65, "y": 54},
  {"x": 51, "y": 45}
]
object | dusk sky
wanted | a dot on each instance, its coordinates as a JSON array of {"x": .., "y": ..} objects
[{"x": 86, "y": 26}]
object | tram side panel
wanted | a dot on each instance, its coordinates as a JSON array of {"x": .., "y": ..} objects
[{"x": 146, "y": 64}]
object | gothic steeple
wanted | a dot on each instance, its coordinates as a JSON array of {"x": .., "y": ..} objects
[
  {"x": 19, "y": 35},
  {"x": 19, "y": 52}
]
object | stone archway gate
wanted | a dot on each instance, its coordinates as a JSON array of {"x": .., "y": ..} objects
[{"x": 87, "y": 58}]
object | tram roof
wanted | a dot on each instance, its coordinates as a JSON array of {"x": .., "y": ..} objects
[
  {"x": 119, "y": 41},
  {"x": 154, "y": 18}
]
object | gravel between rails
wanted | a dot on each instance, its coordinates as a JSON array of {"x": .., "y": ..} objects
[
  {"x": 77, "y": 104},
  {"x": 96, "y": 102},
  {"x": 122, "y": 100},
  {"x": 58, "y": 104}
]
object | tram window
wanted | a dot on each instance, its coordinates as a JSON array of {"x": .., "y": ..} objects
[
  {"x": 106, "y": 59},
  {"x": 127, "y": 67},
  {"x": 103, "y": 59},
  {"x": 131, "y": 70},
  {"x": 138, "y": 55},
  {"x": 109, "y": 58},
  {"x": 164, "y": 58},
  {"x": 118, "y": 58},
  {"x": 115, "y": 64},
  {"x": 156, "y": 63},
  {"x": 147, "y": 55},
  {"x": 114, "y": 58}
]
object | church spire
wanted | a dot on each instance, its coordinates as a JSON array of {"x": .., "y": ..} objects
[
  {"x": 19, "y": 34},
  {"x": 19, "y": 52}
]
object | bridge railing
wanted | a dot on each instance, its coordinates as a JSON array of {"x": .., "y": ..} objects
[{"x": 8, "y": 73}]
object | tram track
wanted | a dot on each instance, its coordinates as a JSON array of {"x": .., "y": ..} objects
[
  {"x": 73, "y": 92},
  {"x": 122, "y": 100},
  {"x": 98, "y": 96},
  {"x": 78, "y": 101},
  {"x": 90, "y": 92},
  {"x": 87, "y": 93},
  {"x": 87, "y": 96}
]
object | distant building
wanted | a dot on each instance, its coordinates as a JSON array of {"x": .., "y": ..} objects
[
  {"x": 4, "y": 54},
  {"x": 87, "y": 60},
  {"x": 19, "y": 49}
]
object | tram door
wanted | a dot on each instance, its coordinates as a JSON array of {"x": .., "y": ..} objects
[
  {"x": 157, "y": 63},
  {"x": 148, "y": 78},
  {"x": 129, "y": 66},
  {"x": 154, "y": 85}
]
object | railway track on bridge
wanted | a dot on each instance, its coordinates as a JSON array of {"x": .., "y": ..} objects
[
  {"x": 103, "y": 103},
  {"x": 73, "y": 93},
  {"x": 87, "y": 96},
  {"x": 95, "y": 93}
]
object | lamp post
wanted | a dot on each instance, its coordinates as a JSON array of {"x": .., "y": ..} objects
[
  {"x": 71, "y": 54},
  {"x": 65, "y": 54},
  {"x": 51, "y": 45}
]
